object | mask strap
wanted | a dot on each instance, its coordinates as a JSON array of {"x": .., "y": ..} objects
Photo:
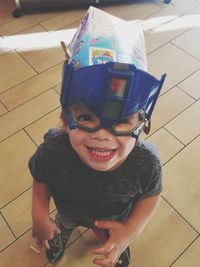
[{"x": 147, "y": 127}]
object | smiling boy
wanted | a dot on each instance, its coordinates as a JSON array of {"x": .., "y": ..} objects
[{"x": 98, "y": 172}]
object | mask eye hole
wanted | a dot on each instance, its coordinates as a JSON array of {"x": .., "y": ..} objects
[
  {"x": 124, "y": 121},
  {"x": 130, "y": 123},
  {"x": 83, "y": 116}
]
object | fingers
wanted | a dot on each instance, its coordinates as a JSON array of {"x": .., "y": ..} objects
[
  {"x": 46, "y": 244},
  {"x": 42, "y": 243},
  {"x": 109, "y": 252},
  {"x": 105, "y": 224},
  {"x": 44, "y": 232},
  {"x": 103, "y": 250},
  {"x": 57, "y": 230},
  {"x": 109, "y": 260}
]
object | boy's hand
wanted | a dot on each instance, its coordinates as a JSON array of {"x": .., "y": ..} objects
[
  {"x": 119, "y": 240},
  {"x": 44, "y": 230}
]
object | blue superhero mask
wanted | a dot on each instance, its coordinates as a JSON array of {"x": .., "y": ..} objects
[
  {"x": 106, "y": 84},
  {"x": 112, "y": 92}
]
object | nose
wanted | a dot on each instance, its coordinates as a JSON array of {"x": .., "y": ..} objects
[{"x": 101, "y": 135}]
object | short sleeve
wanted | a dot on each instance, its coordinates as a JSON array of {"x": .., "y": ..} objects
[
  {"x": 36, "y": 166},
  {"x": 155, "y": 185},
  {"x": 150, "y": 180}
]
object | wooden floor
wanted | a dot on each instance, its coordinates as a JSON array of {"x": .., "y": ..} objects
[{"x": 30, "y": 73}]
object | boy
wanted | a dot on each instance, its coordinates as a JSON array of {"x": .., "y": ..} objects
[{"x": 95, "y": 168}]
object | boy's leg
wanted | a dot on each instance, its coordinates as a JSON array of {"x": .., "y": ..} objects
[
  {"x": 59, "y": 242},
  {"x": 66, "y": 225}
]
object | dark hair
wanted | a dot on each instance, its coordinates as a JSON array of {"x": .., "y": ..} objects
[{"x": 63, "y": 120}]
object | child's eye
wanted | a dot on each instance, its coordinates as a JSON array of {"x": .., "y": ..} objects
[
  {"x": 125, "y": 120},
  {"x": 84, "y": 117}
]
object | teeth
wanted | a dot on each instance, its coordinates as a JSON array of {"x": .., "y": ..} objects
[{"x": 102, "y": 153}]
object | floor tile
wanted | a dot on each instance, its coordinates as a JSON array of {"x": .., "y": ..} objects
[
  {"x": 164, "y": 239},
  {"x": 24, "y": 22},
  {"x": 6, "y": 235},
  {"x": 159, "y": 18},
  {"x": 171, "y": 60},
  {"x": 15, "y": 177},
  {"x": 58, "y": 88},
  {"x": 167, "y": 145},
  {"x": 184, "y": 42},
  {"x": 23, "y": 38},
  {"x": 170, "y": 30},
  {"x": 14, "y": 70},
  {"x": 5, "y": 46},
  {"x": 169, "y": 13},
  {"x": 33, "y": 87},
  {"x": 43, "y": 54},
  {"x": 164, "y": 111},
  {"x": 3, "y": 110},
  {"x": 133, "y": 11},
  {"x": 185, "y": 5},
  {"x": 191, "y": 85},
  {"x": 78, "y": 254},
  {"x": 37, "y": 129},
  {"x": 74, "y": 25},
  {"x": 182, "y": 183},
  {"x": 187, "y": 125},
  {"x": 18, "y": 213},
  {"x": 22, "y": 255},
  {"x": 194, "y": 14},
  {"x": 27, "y": 113},
  {"x": 67, "y": 17},
  {"x": 45, "y": 50},
  {"x": 191, "y": 257},
  {"x": 6, "y": 10}
]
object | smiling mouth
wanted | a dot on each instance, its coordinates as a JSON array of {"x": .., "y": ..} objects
[{"x": 101, "y": 154}]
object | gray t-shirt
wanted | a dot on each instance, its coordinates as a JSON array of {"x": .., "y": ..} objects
[{"x": 95, "y": 193}]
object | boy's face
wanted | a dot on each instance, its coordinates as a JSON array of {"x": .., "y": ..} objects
[{"x": 100, "y": 150}]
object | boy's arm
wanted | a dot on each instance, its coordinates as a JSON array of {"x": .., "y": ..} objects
[
  {"x": 44, "y": 227},
  {"x": 141, "y": 214},
  {"x": 122, "y": 234},
  {"x": 40, "y": 200}
]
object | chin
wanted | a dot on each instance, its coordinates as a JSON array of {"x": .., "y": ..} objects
[{"x": 101, "y": 167}]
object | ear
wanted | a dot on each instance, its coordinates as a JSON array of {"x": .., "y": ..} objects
[
  {"x": 66, "y": 129},
  {"x": 147, "y": 127}
]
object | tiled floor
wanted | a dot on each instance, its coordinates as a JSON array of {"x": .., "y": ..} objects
[{"x": 30, "y": 72}]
